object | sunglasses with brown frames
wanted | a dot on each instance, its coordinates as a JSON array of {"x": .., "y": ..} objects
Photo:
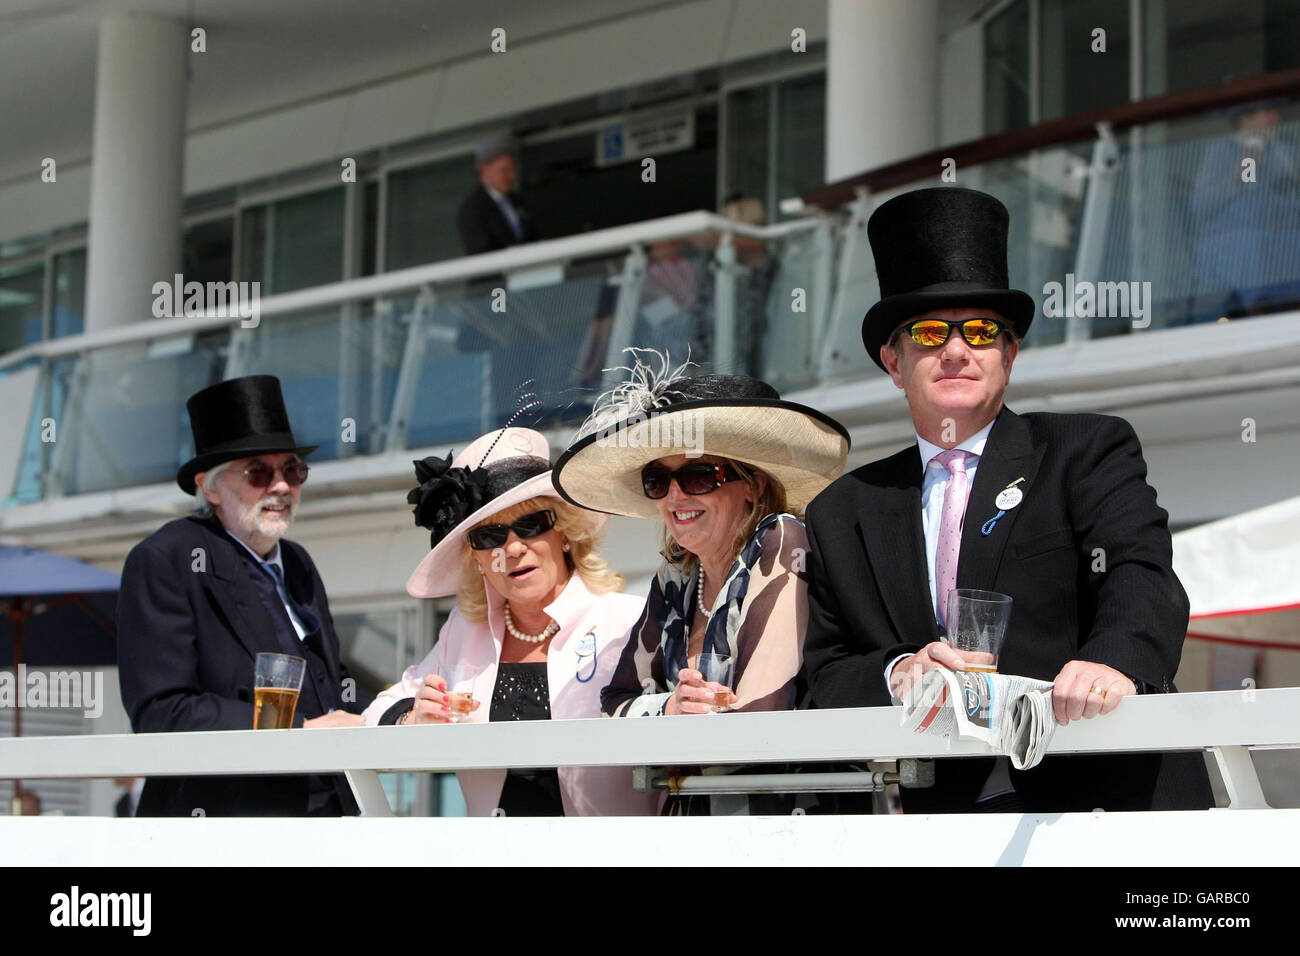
[{"x": 261, "y": 475}]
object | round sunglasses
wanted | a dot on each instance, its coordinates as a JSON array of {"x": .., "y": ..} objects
[
  {"x": 932, "y": 333},
  {"x": 697, "y": 478},
  {"x": 495, "y": 535},
  {"x": 260, "y": 475}
]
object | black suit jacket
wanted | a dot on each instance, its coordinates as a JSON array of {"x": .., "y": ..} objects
[
  {"x": 483, "y": 226},
  {"x": 190, "y": 625},
  {"x": 1086, "y": 506}
]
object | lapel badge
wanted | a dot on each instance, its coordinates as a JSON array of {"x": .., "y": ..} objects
[
  {"x": 586, "y": 648},
  {"x": 1008, "y": 498}
]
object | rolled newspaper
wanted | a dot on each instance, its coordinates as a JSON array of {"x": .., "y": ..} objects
[{"x": 1013, "y": 715}]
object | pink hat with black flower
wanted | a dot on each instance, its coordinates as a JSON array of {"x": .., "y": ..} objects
[{"x": 498, "y": 470}]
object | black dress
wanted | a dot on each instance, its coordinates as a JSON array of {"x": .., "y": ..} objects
[{"x": 523, "y": 693}]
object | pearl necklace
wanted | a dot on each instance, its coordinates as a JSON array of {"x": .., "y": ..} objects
[
  {"x": 528, "y": 638},
  {"x": 699, "y": 597}
]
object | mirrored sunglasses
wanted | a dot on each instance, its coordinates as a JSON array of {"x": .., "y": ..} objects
[{"x": 931, "y": 333}]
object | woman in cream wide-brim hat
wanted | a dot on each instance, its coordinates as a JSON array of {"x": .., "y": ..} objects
[
  {"x": 728, "y": 467},
  {"x": 538, "y": 624}
]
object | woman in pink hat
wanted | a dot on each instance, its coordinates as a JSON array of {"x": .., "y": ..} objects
[{"x": 537, "y": 626}]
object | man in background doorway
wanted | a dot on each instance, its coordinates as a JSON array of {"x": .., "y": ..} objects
[{"x": 490, "y": 217}]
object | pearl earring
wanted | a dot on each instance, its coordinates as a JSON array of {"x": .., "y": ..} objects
[{"x": 566, "y": 546}]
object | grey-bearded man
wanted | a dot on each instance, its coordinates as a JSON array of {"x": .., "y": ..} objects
[{"x": 203, "y": 596}]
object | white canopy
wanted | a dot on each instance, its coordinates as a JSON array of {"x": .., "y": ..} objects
[{"x": 1242, "y": 576}]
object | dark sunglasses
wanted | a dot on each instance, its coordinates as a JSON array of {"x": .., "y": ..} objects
[
  {"x": 699, "y": 478},
  {"x": 261, "y": 476},
  {"x": 931, "y": 333},
  {"x": 495, "y": 535}
]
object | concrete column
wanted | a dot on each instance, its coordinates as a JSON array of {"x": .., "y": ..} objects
[
  {"x": 882, "y": 83},
  {"x": 137, "y": 166}
]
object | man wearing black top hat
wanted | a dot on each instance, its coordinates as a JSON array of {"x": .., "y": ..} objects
[
  {"x": 204, "y": 595},
  {"x": 1053, "y": 510}
]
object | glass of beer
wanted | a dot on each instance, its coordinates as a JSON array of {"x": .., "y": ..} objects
[
  {"x": 717, "y": 669},
  {"x": 460, "y": 689},
  {"x": 276, "y": 686},
  {"x": 977, "y": 626}
]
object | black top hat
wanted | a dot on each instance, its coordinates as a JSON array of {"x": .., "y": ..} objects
[
  {"x": 238, "y": 418},
  {"x": 940, "y": 248}
]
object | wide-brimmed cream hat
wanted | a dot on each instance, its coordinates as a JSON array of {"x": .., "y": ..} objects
[
  {"x": 498, "y": 470},
  {"x": 728, "y": 416}
]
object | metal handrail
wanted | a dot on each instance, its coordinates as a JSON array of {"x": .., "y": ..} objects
[
  {"x": 1228, "y": 723},
  {"x": 534, "y": 255}
]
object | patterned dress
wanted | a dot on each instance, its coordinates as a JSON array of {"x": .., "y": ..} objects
[{"x": 759, "y": 618}]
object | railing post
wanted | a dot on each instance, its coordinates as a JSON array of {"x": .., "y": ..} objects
[
  {"x": 853, "y": 238},
  {"x": 349, "y": 383},
  {"x": 726, "y": 272},
  {"x": 42, "y": 408},
  {"x": 822, "y": 289},
  {"x": 377, "y": 426},
  {"x": 1240, "y": 778},
  {"x": 238, "y": 351},
  {"x": 630, "y": 284},
  {"x": 412, "y": 360},
  {"x": 61, "y": 460},
  {"x": 1095, "y": 222},
  {"x": 369, "y": 793}
]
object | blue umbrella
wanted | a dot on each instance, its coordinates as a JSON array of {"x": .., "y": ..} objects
[{"x": 64, "y": 607}]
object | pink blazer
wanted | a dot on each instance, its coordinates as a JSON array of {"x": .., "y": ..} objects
[{"x": 588, "y": 621}]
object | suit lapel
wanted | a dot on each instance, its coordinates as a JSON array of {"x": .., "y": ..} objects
[
  {"x": 502, "y": 225},
  {"x": 1008, "y": 455},
  {"x": 892, "y": 534},
  {"x": 238, "y": 599}
]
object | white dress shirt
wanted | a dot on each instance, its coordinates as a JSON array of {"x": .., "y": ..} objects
[
  {"x": 508, "y": 210},
  {"x": 934, "y": 484},
  {"x": 279, "y": 582}
]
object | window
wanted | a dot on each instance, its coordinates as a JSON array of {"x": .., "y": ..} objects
[
  {"x": 22, "y": 298},
  {"x": 1075, "y": 77},
  {"x": 1007, "y": 81},
  {"x": 776, "y": 140},
  {"x": 293, "y": 243},
  {"x": 420, "y": 214},
  {"x": 68, "y": 312},
  {"x": 1193, "y": 43}
]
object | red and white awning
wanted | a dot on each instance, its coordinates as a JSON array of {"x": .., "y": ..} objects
[{"x": 1242, "y": 576}]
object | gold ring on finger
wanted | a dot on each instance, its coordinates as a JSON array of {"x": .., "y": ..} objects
[{"x": 1098, "y": 691}]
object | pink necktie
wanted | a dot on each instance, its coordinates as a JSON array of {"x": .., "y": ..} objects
[{"x": 954, "y": 511}]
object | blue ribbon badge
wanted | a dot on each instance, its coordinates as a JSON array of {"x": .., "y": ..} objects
[
  {"x": 586, "y": 648},
  {"x": 1008, "y": 498}
]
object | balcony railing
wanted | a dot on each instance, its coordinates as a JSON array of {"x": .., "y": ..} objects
[
  {"x": 1152, "y": 196},
  {"x": 422, "y": 356},
  {"x": 1227, "y": 724}
]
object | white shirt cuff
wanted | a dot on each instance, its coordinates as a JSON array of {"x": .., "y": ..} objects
[{"x": 889, "y": 670}]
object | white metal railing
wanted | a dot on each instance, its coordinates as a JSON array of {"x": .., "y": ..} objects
[
  {"x": 1226, "y": 723},
  {"x": 515, "y": 259},
  {"x": 409, "y": 313}
]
